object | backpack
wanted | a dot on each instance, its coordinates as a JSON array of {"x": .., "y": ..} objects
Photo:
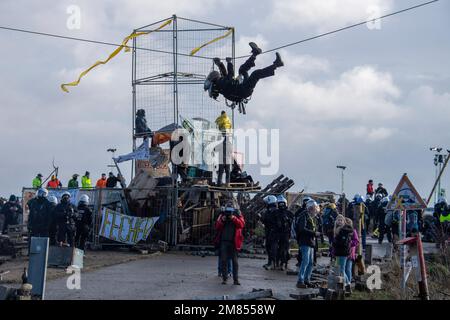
[
  {"x": 328, "y": 219},
  {"x": 342, "y": 243}
]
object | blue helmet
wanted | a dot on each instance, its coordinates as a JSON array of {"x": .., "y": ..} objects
[
  {"x": 270, "y": 200},
  {"x": 358, "y": 198},
  {"x": 281, "y": 199}
]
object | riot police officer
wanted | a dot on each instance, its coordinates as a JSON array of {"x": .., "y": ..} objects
[
  {"x": 66, "y": 218},
  {"x": 269, "y": 221},
  {"x": 40, "y": 214},
  {"x": 52, "y": 225},
  {"x": 83, "y": 223},
  {"x": 284, "y": 219}
]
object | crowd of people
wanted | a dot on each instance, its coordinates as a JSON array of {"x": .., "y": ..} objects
[
  {"x": 63, "y": 223},
  {"x": 346, "y": 224},
  {"x": 86, "y": 183}
]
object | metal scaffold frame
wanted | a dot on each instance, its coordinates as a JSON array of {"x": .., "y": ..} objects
[{"x": 154, "y": 72}]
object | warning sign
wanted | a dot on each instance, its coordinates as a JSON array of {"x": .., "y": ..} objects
[{"x": 406, "y": 196}]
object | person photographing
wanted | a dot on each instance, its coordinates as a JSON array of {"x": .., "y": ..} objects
[{"x": 229, "y": 238}]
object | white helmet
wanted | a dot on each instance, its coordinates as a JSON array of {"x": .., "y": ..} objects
[
  {"x": 42, "y": 193},
  {"x": 53, "y": 199},
  {"x": 270, "y": 200},
  {"x": 442, "y": 200},
  {"x": 65, "y": 194},
  {"x": 281, "y": 199},
  {"x": 311, "y": 203},
  {"x": 84, "y": 199}
]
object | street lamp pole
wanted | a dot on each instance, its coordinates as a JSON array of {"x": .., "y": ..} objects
[
  {"x": 438, "y": 161},
  {"x": 342, "y": 177}
]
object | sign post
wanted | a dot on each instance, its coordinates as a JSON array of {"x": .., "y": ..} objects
[{"x": 405, "y": 198}]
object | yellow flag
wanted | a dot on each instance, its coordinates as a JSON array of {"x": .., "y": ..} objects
[
  {"x": 194, "y": 51},
  {"x": 112, "y": 55}
]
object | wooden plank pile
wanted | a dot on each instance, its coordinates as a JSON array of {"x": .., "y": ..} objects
[
  {"x": 254, "y": 208},
  {"x": 15, "y": 242}
]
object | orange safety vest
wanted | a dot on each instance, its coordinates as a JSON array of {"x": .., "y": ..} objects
[{"x": 101, "y": 183}]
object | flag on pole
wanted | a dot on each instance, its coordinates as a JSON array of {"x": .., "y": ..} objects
[{"x": 141, "y": 153}]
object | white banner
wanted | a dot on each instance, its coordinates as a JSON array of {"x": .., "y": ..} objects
[
  {"x": 126, "y": 229},
  {"x": 141, "y": 153}
]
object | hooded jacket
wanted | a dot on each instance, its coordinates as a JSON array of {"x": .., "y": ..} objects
[
  {"x": 306, "y": 230},
  {"x": 239, "y": 223},
  {"x": 223, "y": 122}
]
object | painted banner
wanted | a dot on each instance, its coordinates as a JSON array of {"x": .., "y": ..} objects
[
  {"x": 141, "y": 153},
  {"x": 125, "y": 229}
]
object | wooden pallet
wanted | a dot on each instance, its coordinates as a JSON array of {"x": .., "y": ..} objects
[
  {"x": 234, "y": 187},
  {"x": 256, "y": 206}
]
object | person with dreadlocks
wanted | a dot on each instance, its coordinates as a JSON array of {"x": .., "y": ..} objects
[{"x": 240, "y": 89}]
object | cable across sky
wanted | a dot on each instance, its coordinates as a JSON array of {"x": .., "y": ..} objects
[{"x": 239, "y": 57}]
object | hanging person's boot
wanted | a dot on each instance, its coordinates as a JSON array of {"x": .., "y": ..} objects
[
  {"x": 278, "y": 62},
  {"x": 217, "y": 61},
  {"x": 255, "y": 49}
]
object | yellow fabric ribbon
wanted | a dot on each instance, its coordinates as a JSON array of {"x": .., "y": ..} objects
[
  {"x": 112, "y": 55},
  {"x": 194, "y": 51}
]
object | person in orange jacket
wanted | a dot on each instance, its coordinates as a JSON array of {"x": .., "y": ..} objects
[
  {"x": 54, "y": 183},
  {"x": 229, "y": 238},
  {"x": 101, "y": 183}
]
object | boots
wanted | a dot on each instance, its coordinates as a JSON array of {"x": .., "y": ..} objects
[
  {"x": 236, "y": 282},
  {"x": 216, "y": 61},
  {"x": 255, "y": 49},
  {"x": 268, "y": 266},
  {"x": 278, "y": 62}
]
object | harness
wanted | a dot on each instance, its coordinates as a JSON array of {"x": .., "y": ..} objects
[
  {"x": 236, "y": 100},
  {"x": 240, "y": 103}
]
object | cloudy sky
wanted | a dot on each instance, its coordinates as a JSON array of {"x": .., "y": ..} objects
[{"x": 374, "y": 100}]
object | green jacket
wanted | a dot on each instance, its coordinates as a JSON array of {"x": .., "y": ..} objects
[
  {"x": 37, "y": 183},
  {"x": 86, "y": 182},
  {"x": 73, "y": 184}
]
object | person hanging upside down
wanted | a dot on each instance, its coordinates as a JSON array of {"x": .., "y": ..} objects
[{"x": 236, "y": 90}]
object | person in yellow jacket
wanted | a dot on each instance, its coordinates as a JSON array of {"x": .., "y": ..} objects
[
  {"x": 86, "y": 181},
  {"x": 223, "y": 122},
  {"x": 37, "y": 182}
]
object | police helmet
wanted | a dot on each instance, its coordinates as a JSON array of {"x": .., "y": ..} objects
[{"x": 42, "y": 193}]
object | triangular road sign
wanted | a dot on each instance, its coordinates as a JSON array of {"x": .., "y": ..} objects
[{"x": 411, "y": 198}]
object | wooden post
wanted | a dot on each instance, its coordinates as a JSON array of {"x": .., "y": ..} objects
[{"x": 423, "y": 283}]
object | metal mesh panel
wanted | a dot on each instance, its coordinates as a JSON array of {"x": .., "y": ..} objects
[{"x": 154, "y": 72}]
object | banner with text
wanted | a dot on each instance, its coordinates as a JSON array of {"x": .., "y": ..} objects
[{"x": 126, "y": 229}]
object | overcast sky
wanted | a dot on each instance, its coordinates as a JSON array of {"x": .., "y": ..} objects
[{"x": 373, "y": 100}]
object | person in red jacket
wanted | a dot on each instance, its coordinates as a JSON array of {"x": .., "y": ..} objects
[
  {"x": 229, "y": 238},
  {"x": 370, "y": 188},
  {"x": 54, "y": 183}
]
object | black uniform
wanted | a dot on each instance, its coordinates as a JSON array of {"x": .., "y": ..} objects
[
  {"x": 235, "y": 91},
  {"x": 382, "y": 227},
  {"x": 269, "y": 220},
  {"x": 83, "y": 224},
  {"x": 66, "y": 218},
  {"x": 11, "y": 212},
  {"x": 382, "y": 191},
  {"x": 40, "y": 217},
  {"x": 284, "y": 219},
  {"x": 52, "y": 227}
]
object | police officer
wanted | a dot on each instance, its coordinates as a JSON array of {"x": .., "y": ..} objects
[
  {"x": 40, "y": 214},
  {"x": 11, "y": 211},
  {"x": 284, "y": 219},
  {"x": 66, "y": 218},
  {"x": 382, "y": 227},
  {"x": 52, "y": 229},
  {"x": 83, "y": 223},
  {"x": 269, "y": 221}
]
